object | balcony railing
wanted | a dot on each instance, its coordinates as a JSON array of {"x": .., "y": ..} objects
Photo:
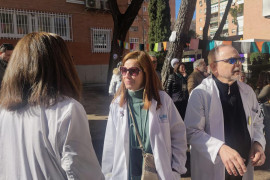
[
  {"x": 240, "y": 1},
  {"x": 214, "y": 19}
]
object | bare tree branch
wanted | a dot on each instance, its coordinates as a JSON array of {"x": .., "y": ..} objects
[{"x": 224, "y": 18}]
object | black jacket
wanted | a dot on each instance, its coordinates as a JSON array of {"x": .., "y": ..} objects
[
  {"x": 177, "y": 87},
  {"x": 3, "y": 66}
]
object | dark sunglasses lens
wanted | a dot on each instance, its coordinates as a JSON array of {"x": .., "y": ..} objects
[
  {"x": 123, "y": 70},
  {"x": 232, "y": 60},
  {"x": 134, "y": 71}
]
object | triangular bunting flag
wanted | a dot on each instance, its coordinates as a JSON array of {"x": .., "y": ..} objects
[
  {"x": 227, "y": 42},
  {"x": 156, "y": 47},
  {"x": 147, "y": 47},
  {"x": 165, "y": 46},
  {"x": 259, "y": 45}
]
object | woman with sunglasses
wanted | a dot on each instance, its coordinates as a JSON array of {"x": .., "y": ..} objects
[
  {"x": 44, "y": 132},
  {"x": 141, "y": 104}
]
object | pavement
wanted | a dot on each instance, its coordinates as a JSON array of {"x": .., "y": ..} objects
[{"x": 96, "y": 102}]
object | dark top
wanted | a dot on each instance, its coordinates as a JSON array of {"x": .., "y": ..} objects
[
  {"x": 177, "y": 87},
  {"x": 3, "y": 66},
  {"x": 235, "y": 123},
  {"x": 142, "y": 123},
  {"x": 264, "y": 95}
]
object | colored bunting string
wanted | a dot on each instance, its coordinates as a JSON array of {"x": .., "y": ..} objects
[{"x": 195, "y": 44}]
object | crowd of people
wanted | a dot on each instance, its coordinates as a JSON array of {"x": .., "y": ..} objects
[{"x": 44, "y": 131}]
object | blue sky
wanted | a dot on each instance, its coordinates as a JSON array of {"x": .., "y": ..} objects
[{"x": 177, "y": 7}]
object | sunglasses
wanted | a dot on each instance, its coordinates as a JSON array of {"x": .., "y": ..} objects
[
  {"x": 233, "y": 60},
  {"x": 133, "y": 71}
]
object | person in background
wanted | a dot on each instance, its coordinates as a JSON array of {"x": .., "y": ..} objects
[
  {"x": 116, "y": 80},
  {"x": 160, "y": 127},
  {"x": 177, "y": 88},
  {"x": 242, "y": 77},
  {"x": 5, "y": 53},
  {"x": 264, "y": 99},
  {"x": 198, "y": 74},
  {"x": 174, "y": 62},
  {"x": 224, "y": 124},
  {"x": 44, "y": 129},
  {"x": 154, "y": 61}
]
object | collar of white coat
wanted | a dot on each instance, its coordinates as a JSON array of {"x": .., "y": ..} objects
[{"x": 242, "y": 86}]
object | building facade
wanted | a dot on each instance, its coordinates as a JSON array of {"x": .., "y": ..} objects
[
  {"x": 85, "y": 25},
  {"x": 233, "y": 25},
  {"x": 138, "y": 32},
  {"x": 257, "y": 20}
]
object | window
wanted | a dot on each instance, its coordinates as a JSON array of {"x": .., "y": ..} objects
[
  {"x": 200, "y": 20},
  {"x": 144, "y": 9},
  {"x": 7, "y": 24},
  {"x": 214, "y": 8},
  {"x": 200, "y": 11},
  {"x": 22, "y": 23},
  {"x": 133, "y": 28},
  {"x": 134, "y": 40},
  {"x": 101, "y": 40},
  {"x": 233, "y": 31},
  {"x": 17, "y": 23},
  {"x": 201, "y": 28},
  {"x": 200, "y": 3}
]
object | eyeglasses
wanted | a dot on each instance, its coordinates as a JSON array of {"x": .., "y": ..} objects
[
  {"x": 233, "y": 60},
  {"x": 133, "y": 71}
]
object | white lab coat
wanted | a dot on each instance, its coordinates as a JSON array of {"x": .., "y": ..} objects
[
  {"x": 47, "y": 143},
  {"x": 115, "y": 83},
  {"x": 167, "y": 139},
  {"x": 205, "y": 129}
]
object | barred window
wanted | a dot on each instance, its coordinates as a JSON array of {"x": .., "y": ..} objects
[
  {"x": 133, "y": 28},
  {"x": 17, "y": 23},
  {"x": 101, "y": 40},
  {"x": 134, "y": 40}
]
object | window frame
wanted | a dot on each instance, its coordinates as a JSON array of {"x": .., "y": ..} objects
[
  {"x": 95, "y": 32},
  {"x": 33, "y": 22}
]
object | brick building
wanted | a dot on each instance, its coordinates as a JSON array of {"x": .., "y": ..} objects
[
  {"x": 232, "y": 26},
  {"x": 86, "y": 28},
  {"x": 251, "y": 21},
  {"x": 257, "y": 19}
]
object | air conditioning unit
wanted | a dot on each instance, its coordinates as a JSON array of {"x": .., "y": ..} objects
[
  {"x": 95, "y": 4},
  {"x": 266, "y": 8}
]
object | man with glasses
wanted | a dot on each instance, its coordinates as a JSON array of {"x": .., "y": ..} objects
[
  {"x": 223, "y": 121},
  {"x": 5, "y": 53}
]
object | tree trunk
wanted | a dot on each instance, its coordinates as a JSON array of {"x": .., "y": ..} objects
[
  {"x": 207, "y": 20},
  {"x": 206, "y": 28},
  {"x": 224, "y": 18},
  {"x": 181, "y": 27},
  {"x": 122, "y": 23}
]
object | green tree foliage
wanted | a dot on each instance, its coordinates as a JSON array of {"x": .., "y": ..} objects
[
  {"x": 160, "y": 24},
  {"x": 237, "y": 11}
]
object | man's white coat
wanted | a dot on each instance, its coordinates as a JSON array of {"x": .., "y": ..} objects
[{"x": 205, "y": 129}]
